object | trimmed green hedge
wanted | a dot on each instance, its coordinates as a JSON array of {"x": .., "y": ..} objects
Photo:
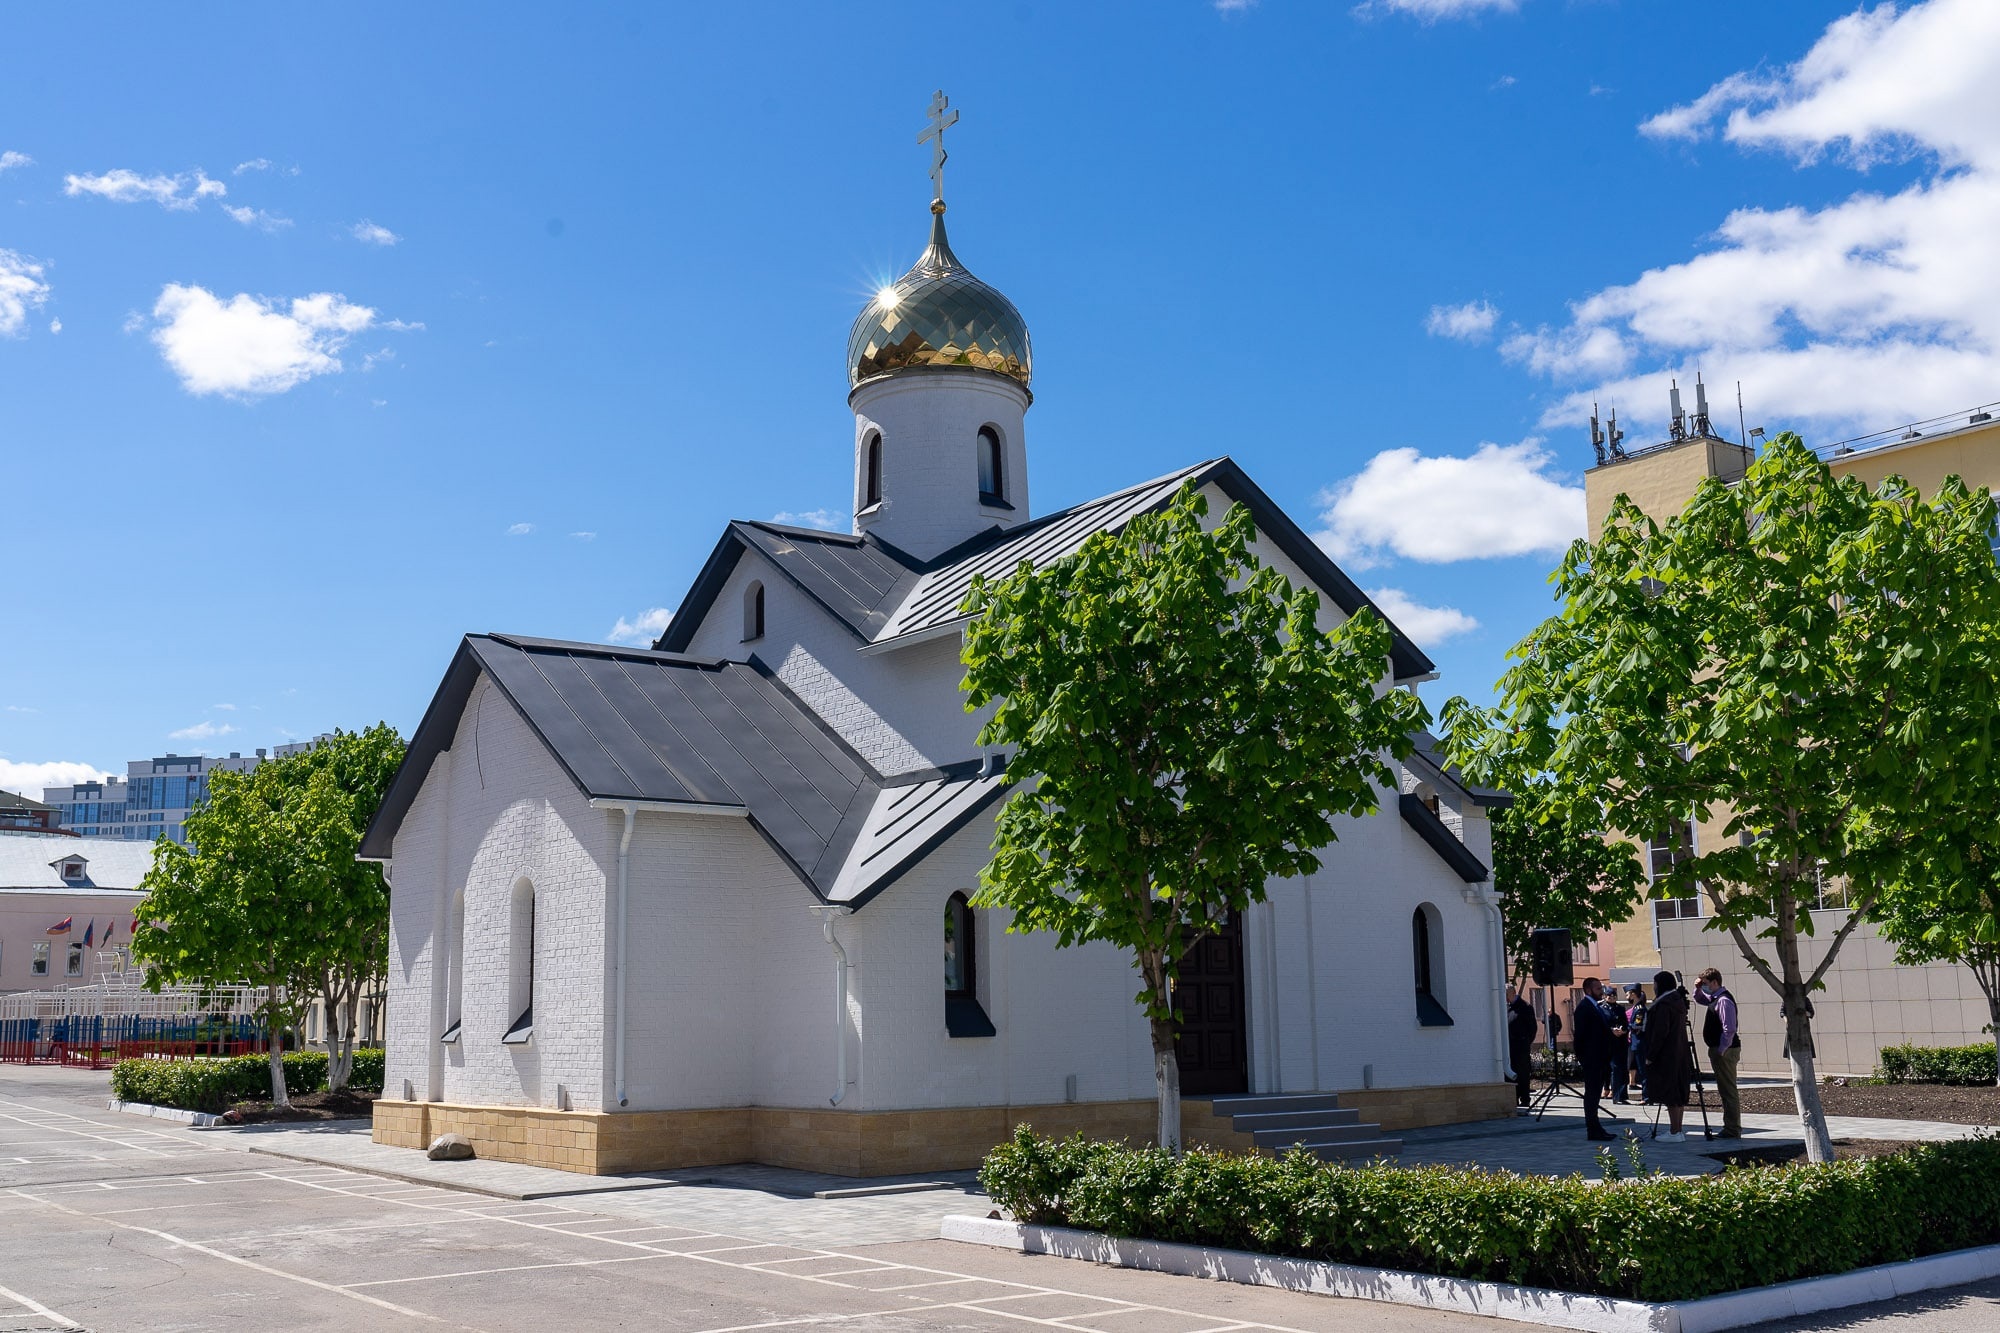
[
  {"x": 214, "y": 1085},
  {"x": 1959, "y": 1066},
  {"x": 1655, "y": 1238}
]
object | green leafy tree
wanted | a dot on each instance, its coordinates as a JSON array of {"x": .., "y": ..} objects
[
  {"x": 1182, "y": 731},
  {"x": 1808, "y": 661},
  {"x": 1948, "y": 910},
  {"x": 268, "y": 892},
  {"x": 1553, "y": 872}
]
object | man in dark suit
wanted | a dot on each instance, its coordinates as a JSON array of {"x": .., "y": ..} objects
[
  {"x": 1520, "y": 1042},
  {"x": 1591, "y": 1035}
]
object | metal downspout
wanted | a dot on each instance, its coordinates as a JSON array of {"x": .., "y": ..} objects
[
  {"x": 618, "y": 999},
  {"x": 840, "y": 1003}
]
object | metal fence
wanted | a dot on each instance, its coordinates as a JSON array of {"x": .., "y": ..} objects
[{"x": 117, "y": 1018}]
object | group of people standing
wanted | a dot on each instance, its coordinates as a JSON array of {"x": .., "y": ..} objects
[{"x": 1636, "y": 1043}]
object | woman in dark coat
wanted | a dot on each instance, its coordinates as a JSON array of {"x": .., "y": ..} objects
[{"x": 1669, "y": 1060}]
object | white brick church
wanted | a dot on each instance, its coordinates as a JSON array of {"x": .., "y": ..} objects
[{"x": 707, "y": 903}]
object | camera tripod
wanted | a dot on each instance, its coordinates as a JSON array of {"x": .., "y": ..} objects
[
  {"x": 1540, "y": 1105},
  {"x": 1700, "y": 1092}
]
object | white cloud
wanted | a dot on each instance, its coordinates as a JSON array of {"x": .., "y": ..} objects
[
  {"x": 824, "y": 519},
  {"x": 1233, "y": 6},
  {"x": 643, "y": 629},
  {"x": 370, "y": 233},
  {"x": 127, "y": 187},
  {"x": 583, "y": 536},
  {"x": 376, "y": 358},
  {"x": 1472, "y": 322},
  {"x": 29, "y": 780},
  {"x": 1425, "y": 624},
  {"x": 223, "y": 708},
  {"x": 201, "y": 731},
  {"x": 11, "y": 159},
  {"x": 22, "y": 289},
  {"x": 257, "y": 217},
  {"x": 1876, "y": 309},
  {"x": 254, "y": 164},
  {"x": 1430, "y": 11},
  {"x": 55, "y": 325},
  {"x": 520, "y": 529},
  {"x": 1503, "y": 500},
  {"x": 21, "y": 708},
  {"x": 247, "y": 345}
]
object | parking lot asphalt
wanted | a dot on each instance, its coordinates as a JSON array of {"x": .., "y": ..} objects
[{"x": 111, "y": 1222}]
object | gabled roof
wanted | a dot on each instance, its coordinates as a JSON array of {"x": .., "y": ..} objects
[
  {"x": 666, "y": 729},
  {"x": 33, "y": 861},
  {"x": 885, "y": 596},
  {"x": 1429, "y": 754}
]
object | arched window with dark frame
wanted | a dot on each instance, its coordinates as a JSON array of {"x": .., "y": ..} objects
[
  {"x": 1426, "y": 955},
  {"x": 753, "y": 611},
  {"x": 871, "y": 493},
  {"x": 992, "y": 477},
  {"x": 521, "y": 964},
  {"x": 963, "y": 1014}
]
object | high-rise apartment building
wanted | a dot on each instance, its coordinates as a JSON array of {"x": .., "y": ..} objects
[{"x": 152, "y": 799}]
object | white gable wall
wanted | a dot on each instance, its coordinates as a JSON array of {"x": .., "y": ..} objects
[
  {"x": 900, "y": 711},
  {"x": 508, "y": 812}
]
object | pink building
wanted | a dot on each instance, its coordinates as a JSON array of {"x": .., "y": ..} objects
[{"x": 47, "y": 879}]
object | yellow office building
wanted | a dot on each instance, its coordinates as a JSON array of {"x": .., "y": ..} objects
[{"x": 1869, "y": 1001}]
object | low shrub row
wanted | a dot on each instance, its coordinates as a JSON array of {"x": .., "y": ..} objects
[
  {"x": 1654, "y": 1237},
  {"x": 1960, "y": 1066},
  {"x": 214, "y": 1085}
]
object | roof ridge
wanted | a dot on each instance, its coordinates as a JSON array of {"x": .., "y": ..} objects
[
  {"x": 796, "y": 530},
  {"x": 995, "y": 535},
  {"x": 532, "y": 643}
]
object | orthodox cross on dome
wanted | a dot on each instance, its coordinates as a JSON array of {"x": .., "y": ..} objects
[{"x": 941, "y": 120}]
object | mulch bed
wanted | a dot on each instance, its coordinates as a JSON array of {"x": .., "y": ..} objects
[
  {"x": 1783, "y": 1154},
  {"x": 1885, "y": 1101},
  {"x": 347, "y": 1104}
]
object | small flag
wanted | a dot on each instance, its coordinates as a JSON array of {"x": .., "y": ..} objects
[
  {"x": 90, "y": 934},
  {"x": 62, "y": 927},
  {"x": 109, "y": 927}
]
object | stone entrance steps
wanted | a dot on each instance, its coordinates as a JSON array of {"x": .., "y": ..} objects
[{"x": 1315, "y": 1121}]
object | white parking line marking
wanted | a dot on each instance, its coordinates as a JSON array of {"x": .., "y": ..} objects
[{"x": 37, "y": 1308}]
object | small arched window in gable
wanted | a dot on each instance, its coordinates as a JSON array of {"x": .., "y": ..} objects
[
  {"x": 1427, "y": 956},
  {"x": 871, "y": 493},
  {"x": 963, "y": 1015},
  {"x": 992, "y": 480},
  {"x": 753, "y": 611}
]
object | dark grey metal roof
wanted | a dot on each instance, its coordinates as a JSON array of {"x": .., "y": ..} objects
[
  {"x": 1429, "y": 754},
  {"x": 634, "y": 725},
  {"x": 1437, "y": 835},
  {"x": 853, "y": 577},
  {"x": 937, "y": 594}
]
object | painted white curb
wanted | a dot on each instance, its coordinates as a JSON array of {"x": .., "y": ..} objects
[
  {"x": 199, "y": 1119},
  {"x": 1532, "y": 1305}
]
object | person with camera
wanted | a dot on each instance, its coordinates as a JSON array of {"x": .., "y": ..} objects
[
  {"x": 1669, "y": 1054},
  {"x": 1592, "y": 1033},
  {"x": 1725, "y": 1047},
  {"x": 1520, "y": 1042}
]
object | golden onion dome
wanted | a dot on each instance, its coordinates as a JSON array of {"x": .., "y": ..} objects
[{"x": 938, "y": 314}]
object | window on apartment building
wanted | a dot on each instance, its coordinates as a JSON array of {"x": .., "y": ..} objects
[
  {"x": 40, "y": 966},
  {"x": 1667, "y": 850},
  {"x": 75, "y": 966}
]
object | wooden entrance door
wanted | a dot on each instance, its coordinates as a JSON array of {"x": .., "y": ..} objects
[{"x": 1208, "y": 1013}]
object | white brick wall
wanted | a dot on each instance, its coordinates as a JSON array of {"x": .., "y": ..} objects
[{"x": 929, "y": 422}]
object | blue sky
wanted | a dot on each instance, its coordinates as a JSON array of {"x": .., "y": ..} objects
[{"x": 326, "y": 337}]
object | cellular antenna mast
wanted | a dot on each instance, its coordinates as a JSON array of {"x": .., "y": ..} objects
[
  {"x": 1701, "y": 427},
  {"x": 1679, "y": 430},
  {"x": 1596, "y": 436},
  {"x": 1742, "y": 427}
]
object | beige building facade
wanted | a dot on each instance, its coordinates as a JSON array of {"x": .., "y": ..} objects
[{"x": 1869, "y": 1001}]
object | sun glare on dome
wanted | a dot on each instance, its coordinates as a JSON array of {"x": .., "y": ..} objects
[{"x": 886, "y": 298}]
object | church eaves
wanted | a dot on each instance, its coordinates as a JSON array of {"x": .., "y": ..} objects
[{"x": 667, "y": 729}]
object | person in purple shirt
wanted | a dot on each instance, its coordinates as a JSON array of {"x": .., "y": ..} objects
[{"x": 1725, "y": 1047}]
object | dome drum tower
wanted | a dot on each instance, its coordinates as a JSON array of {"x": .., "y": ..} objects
[{"x": 939, "y": 365}]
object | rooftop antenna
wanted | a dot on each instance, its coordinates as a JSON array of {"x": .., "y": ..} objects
[
  {"x": 1596, "y": 436},
  {"x": 1615, "y": 437},
  {"x": 1701, "y": 426},
  {"x": 1679, "y": 430},
  {"x": 1741, "y": 433}
]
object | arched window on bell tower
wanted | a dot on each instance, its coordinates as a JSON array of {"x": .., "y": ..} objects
[
  {"x": 992, "y": 461},
  {"x": 872, "y": 465}
]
